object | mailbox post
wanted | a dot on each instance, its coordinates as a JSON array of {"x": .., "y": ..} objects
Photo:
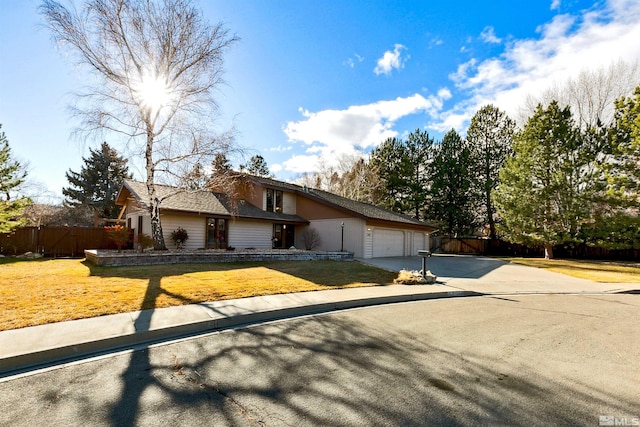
[{"x": 424, "y": 255}]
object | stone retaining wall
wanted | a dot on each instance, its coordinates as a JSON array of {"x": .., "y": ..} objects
[{"x": 113, "y": 258}]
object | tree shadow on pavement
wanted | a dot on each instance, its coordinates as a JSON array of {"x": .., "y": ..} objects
[{"x": 329, "y": 370}]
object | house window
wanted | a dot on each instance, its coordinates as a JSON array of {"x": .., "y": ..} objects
[
  {"x": 274, "y": 200},
  {"x": 269, "y": 200},
  {"x": 217, "y": 233}
]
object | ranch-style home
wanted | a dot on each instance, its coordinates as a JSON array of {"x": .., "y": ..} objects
[{"x": 274, "y": 214}]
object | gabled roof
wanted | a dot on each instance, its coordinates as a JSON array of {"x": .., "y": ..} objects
[
  {"x": 201, "y": 202},
  {"x": 366, "y": 210},
  {"x": 361, "y": 209}
]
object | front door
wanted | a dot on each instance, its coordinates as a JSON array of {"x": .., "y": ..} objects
[
  {"x": 283, "y": 236},
  {"x": 216, "y": 233}
]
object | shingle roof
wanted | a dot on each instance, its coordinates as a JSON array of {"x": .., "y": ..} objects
[
  {"x": 205, "y": 202},
  {"x": 363, "y": 209},
  {"x": 208, "y": 202},
  {"x": 366, "y": 209}
]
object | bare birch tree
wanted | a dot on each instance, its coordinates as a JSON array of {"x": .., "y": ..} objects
[
  {"x": 156, "y": 66},
  {"x": 590, "y": 95}
]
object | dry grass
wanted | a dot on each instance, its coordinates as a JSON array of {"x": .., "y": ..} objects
[
  {"x": 45, "y": 291},
  {"x": 598, "y": 271}
]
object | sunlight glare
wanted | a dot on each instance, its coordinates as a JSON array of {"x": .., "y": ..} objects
[{"x": 152, "y": 92}]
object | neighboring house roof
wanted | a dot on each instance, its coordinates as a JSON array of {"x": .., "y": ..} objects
[
  {"x": 361, "y": 209},
  {"x": 201, "y": 202}
]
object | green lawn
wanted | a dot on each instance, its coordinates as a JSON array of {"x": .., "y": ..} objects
[{"x": 35, "y": 292}]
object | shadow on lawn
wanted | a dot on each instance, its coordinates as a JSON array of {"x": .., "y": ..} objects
[{"x": 321, "y": 273}]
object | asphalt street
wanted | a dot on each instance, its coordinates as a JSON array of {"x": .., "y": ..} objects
[{"x": 493, "y": 360}]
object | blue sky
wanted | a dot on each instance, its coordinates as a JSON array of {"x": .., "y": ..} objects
[{"x": 311, "y": 81}]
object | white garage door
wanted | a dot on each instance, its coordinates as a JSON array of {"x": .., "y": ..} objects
[{"x": 387, "y": 243}]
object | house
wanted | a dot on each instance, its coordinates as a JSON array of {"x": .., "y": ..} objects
[{"x": 275, "y": 214}]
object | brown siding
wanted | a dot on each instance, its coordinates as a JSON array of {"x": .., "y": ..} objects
[
  {"x": 310, "y": 209},
  {"x": 253, "y": 195}
]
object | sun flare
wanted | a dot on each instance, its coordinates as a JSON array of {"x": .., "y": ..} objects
[{"x": 152, "y": 92}]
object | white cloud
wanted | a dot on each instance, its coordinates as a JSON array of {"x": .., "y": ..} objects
[
  {"x": 351, "y": 62},
  {"x": 301, "y": 163},
  {"x": 275, "y": 168},
  {"x": 566, "y": 46},
  {"x": 488, "y": 35},
  {"x": 391, "y": 60},
  {"x": 555, "y": 4},
  {"x": 360, "y": 125},
  {"x": 280, "y": 148},
  {"x": 330, "y": 133}
]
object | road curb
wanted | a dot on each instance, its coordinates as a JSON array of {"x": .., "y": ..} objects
[{"x": 22, "y": 363}]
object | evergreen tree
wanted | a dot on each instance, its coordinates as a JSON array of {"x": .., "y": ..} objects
[
  {"x": 546, "y": 188},
  {"x": 195, "y": 179},
  {"x": 402, "y": 168},
  {"x": 616, "y": 224},
  {"x": 220, "y": 165},
  {"x": 12, "y": 175},
  {"x": 257, "y": 165},
  {"x": 390, "y": 161},
  {"x": 419, "y": 152},
  {"x": 490, "y": 137},
  {"x": 624, "y": 173},
  {"x": 452, "y": 200},
  {"x": 98, "y": 182}
]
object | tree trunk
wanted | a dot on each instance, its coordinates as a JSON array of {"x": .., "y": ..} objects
[
  {"x": 492, "y": 223},
  {"x": 156, "y": 226},
  {"x": 548, "y": 251},
  {"x": 154, "y": 201}
]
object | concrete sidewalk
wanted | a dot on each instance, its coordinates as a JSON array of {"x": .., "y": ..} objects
[
  {"x": 45, "y": 345},
  {"x": 31, "y": 348}
]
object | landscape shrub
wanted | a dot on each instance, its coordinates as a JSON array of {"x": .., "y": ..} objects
[
  {"x": 311, "y": 239},
  {"x": 179, "y": 237},
  {"x": 145, "y": 241},
  {"x": 118, "y": 235}
]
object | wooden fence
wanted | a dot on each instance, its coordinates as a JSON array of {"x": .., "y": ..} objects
[
  {"x": 475, "y": 246},
  {"x": 55, "y": 241}
]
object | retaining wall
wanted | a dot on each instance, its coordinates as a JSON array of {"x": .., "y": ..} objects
[{"x": 113, "y": 258}]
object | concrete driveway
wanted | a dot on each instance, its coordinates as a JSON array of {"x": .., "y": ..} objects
[{"x": 490, "y": 275}]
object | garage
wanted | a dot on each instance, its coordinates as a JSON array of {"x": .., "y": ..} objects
[{"x": 388, "y": 243}]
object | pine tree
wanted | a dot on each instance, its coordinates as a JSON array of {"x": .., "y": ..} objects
[
  {"x": 257, "y": 165},
  {"x": 98, "y": 182},
  {"x": 616, "y": 224},
  {"x": 545, "y": 194},
  {"x": 390, "y": 160},
  {"x": 220, "y": 165},
  {"x": 195, "y": 179},
  {"x": 452, "y": 202},
  {"x": 12, "y": 175},
  {"x": 402, "y": 168},
  {"x": 490, "y": 137}
]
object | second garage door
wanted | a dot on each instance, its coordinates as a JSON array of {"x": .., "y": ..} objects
[{"x": 387, "y": 243}]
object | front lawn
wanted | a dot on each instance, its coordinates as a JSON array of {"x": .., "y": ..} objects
[
  {"x": 44, "y": 291},
  {"x": 598, "y": 271}
]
